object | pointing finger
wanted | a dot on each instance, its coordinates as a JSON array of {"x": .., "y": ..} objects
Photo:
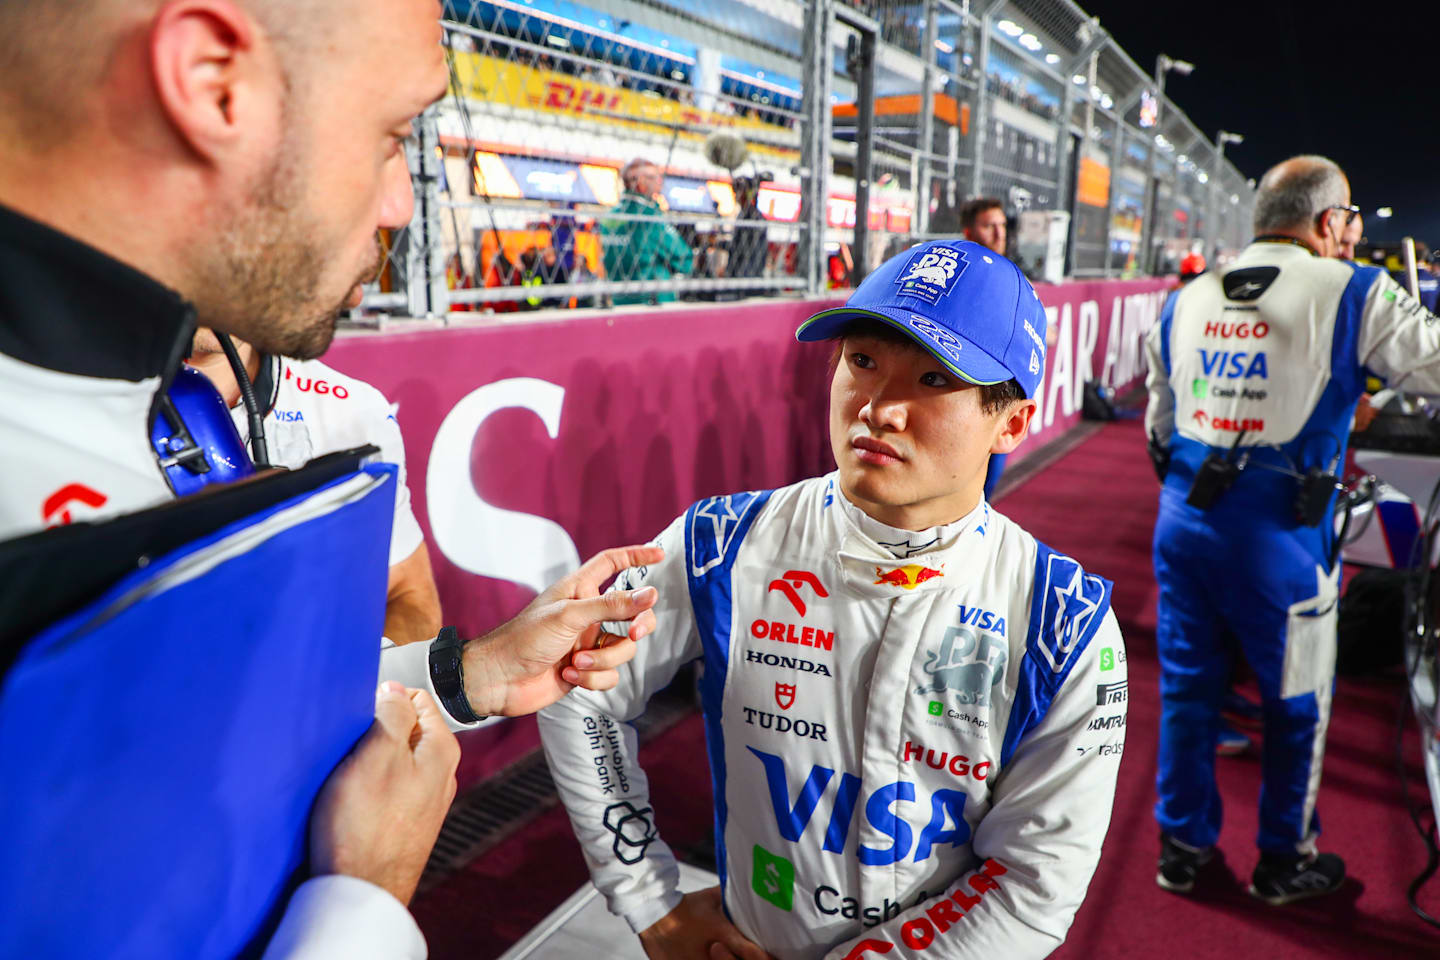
[
  {"x": 616, "y": 605},
  {"x": 607, "y": 563}
]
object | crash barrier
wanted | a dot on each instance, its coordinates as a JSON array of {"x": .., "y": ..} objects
[{"x": 531, "y": 445}]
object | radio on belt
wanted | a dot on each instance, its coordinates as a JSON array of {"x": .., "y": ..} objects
[{"x": 1216, "y": 475}]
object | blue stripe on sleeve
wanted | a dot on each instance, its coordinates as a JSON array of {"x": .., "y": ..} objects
[
  {"x": 1066, "y": 610},
  {"x": 1345, "y": 348},
  {"x": 714, "y": 530}
]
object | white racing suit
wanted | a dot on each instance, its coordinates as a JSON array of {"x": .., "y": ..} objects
[
  {"x": 913, "y": 747},
  {"x": 1275, "y": 347}
]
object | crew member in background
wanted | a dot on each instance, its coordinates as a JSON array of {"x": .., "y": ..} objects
[
  {"x": 983, "y": 221},
  {"x": 638, "y": 243},
  {"x": 1230, "y": 742},
  {"x": 311, "y": 409},
  {"x": 1254, "y": 376},
  {"x": 750, "y": 243},
  {"x": 228, "y": 161},
  {"x": 909, "y": 701}
]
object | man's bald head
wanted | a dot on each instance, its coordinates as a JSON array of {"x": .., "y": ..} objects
[
  {"x": 1293, "y": 193},
  {"x": 1299, "y": 198}
]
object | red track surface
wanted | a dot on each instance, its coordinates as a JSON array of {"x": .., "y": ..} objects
[{"x": 1097, "y": 504}]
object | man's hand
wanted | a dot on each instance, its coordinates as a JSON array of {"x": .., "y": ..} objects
[
  {"x": 379, "y": 813},
  {"x": 556, "y": 644},
  {"x": 697, "y": 929}
]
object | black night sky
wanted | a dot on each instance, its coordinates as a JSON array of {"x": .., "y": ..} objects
[{"x": 1359, "y": 83}]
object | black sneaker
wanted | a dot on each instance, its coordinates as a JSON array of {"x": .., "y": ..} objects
[
  {"x": 1179, "y": 864},
  {"x": 1279, "y": 880}
]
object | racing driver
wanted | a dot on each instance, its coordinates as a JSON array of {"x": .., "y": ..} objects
[{"x": 914, "y": 710}]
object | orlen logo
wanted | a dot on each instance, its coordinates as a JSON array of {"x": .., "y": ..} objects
[
  {"x": 56, "y": 509},
  {"x": 1239, "y": 331},
  {"x": 909, "y": 576},
  {"x": 947, "y": 911},
  {"x": 790, "y": 585},
  {"x": 322, "y": 387},
  {"x": 958, "y": 765},
  {"x": 1227, "y": 423},
  {"x": 787, "y": 633},
  {"x": 889, "y": 809}
]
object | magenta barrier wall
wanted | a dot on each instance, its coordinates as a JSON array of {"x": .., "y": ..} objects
[
  {"x": 531, "y": 445},
  {"x": 1095, "y": 331}
]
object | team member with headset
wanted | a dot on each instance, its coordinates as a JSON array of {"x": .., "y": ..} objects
[
  {"x": 227, "y": 161},
  {"x": 1255, "y": 371}
]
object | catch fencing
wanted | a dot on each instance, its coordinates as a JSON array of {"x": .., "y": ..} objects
[{"x": 643, "y": 151}]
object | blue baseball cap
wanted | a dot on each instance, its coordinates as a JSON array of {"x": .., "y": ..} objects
[{"x": 969, "y": 306}]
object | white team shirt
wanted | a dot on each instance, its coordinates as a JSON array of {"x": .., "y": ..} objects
[{"x": 314, "y": 409}]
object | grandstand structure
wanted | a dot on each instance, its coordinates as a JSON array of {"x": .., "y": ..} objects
[{"x": 518, "y": 168}]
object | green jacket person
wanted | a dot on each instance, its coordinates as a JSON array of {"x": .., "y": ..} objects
[{"x": 642, "y": 249}]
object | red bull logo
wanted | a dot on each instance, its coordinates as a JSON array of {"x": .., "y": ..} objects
[{"x": 909, "y": 576}]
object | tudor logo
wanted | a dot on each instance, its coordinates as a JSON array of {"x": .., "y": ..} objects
[
  {"x": 784, "y": 695},
  {"x": 790, "y": 583}
]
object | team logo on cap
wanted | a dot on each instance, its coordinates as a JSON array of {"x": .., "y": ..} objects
[{"x": 931, "y": 274}]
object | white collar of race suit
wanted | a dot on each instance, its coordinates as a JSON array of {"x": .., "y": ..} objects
[{"x": 880, "y": 560}]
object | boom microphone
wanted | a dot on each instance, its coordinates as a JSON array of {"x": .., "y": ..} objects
[{"x": 726, "y": 150}]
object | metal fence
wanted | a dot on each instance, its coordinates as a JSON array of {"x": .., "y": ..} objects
[{"x": 642, "y": 151}]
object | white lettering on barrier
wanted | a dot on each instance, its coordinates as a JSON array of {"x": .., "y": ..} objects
[
  {"x": 1131, "y": 318},
  {"x": 1087, "y": 332},
  {"x": 1037, "y": 422},
  {"x": 475, "y": 536},
  {"x": 1062, "y": 368},
  {"x": 1109, "y": 371}
]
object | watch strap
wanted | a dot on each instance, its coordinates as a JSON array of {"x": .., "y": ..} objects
[{"x": 448, "y": 677}]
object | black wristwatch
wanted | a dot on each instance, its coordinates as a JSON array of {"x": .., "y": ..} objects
[{"x": 448, "y": 677}]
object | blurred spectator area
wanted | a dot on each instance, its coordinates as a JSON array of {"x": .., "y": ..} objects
[{"x": 519, "y": 165}]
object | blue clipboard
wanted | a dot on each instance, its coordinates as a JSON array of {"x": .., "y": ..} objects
[{"x": 162, "y": 747}]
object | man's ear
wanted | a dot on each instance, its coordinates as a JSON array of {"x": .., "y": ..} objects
[
  {"x": 204, "y": 57},
  {"x": 1013, "y": 425}
]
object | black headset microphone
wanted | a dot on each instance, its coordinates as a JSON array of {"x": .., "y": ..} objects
[{"x": 253, "y": 413}]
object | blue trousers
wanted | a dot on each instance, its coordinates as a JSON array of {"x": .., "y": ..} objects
[{"x": 1269, "y": 584}]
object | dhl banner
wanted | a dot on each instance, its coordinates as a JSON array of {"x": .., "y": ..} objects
[{"x": 482, "y": 77}]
